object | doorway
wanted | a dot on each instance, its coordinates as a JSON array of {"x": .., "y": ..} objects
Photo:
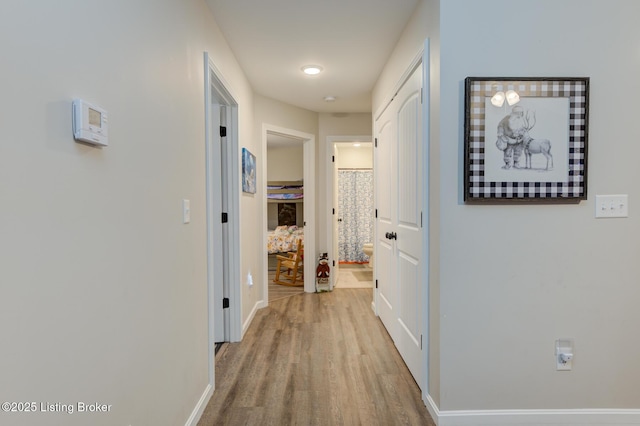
[
  {"x": 222, "y": 207},
  {"x": 353, "y": 212},
  {"x": 285, "y": 209},
  {"x": 292, "y": 137},
  {"x": 354, "y": 159}
]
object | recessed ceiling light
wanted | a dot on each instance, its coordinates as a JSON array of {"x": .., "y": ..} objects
[
  {"x": 357, "y": 145},
  {"x": 329, "y": 98},
  {"x": 312, "y": 69}
]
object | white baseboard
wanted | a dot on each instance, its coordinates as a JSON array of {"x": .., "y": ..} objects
[
  {"x": 432, "y": 408},
  {"x": 572, "y": 417},
  {"x": 194, "y": 418},
  {"x": 247, "y": 323}
]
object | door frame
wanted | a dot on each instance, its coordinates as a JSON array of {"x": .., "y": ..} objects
[
  {"x": 309, "y": 182},
  {"x": 422, "y": 57},
  {"x": 215, "y": 83},
  {"x": 332, "y": 142}
]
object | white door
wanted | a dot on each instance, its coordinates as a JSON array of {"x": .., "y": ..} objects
[
  {"x": 336, "y": 218},
  {"x": 215, "y": 191},
  {"x": 225, "y": 156},
  {"x": 399, "y": 223}
]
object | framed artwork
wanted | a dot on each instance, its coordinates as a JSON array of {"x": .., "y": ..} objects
[
  {"x": 526, "y": 139},
  {"x": 248, "y": 171}
]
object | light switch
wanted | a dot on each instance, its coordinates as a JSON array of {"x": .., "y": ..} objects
[
  {"x": 612, "y": 206},
  {"x": 186, "y": 211}
]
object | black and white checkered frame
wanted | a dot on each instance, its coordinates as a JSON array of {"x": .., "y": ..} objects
[{"x": 574, "y": 188}]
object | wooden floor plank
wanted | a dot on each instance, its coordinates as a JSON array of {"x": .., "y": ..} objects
[{"x": 315, "y": 359}]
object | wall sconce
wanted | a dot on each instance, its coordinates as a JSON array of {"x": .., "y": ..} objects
[
  {"x": 498, "y": 99},
  {"x": 511, "y": 97}
]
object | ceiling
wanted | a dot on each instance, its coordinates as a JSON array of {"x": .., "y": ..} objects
[{"x": 350, "y": 39}]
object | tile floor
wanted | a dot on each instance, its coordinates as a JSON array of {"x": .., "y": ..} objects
[{"x": 354, "y": 276}]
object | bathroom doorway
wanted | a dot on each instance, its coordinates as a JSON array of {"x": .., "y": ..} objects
[{"x": 353, "y": 214}]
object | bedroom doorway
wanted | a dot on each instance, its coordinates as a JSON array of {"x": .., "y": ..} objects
[{"x": 290, "y": 169}]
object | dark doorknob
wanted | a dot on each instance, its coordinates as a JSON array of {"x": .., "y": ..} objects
[{"x": 339, "y": 220}]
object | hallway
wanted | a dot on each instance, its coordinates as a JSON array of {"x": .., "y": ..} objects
[{"x": 315, "y": 359}]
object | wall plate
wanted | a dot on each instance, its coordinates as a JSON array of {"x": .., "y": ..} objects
[{"x": 612, "y": 206}]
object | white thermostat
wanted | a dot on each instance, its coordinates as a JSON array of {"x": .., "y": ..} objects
[{"x": 89, "y": 123}]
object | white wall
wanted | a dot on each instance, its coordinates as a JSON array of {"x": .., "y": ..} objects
[
  {"x": 285, "y": 163},
  {"x": 103, "y": 287},
  {"x": 535, "y": 273},
  {"x": 355, "y": 157}
]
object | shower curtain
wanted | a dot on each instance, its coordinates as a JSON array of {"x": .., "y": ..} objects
[{"x": 355, "y": 208}]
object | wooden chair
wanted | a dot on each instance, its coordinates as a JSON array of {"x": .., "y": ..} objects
[{"x": 294, "y": 264}]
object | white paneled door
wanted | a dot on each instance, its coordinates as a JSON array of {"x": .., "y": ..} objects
[{"x": 399, "y": 172}]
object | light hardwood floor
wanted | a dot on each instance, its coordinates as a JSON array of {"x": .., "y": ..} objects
[
  {"x": 277, "y": 291},
  {"x": 315, "y": 359}
]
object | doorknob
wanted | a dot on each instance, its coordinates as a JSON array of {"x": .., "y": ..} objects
[
  {"x": 393, "y": 236},
  {"x": 387, "y": 235},
  {"x": 340, "y": 220}
]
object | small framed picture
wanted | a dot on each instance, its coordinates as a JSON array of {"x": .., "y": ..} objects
[
  {"x": 248, "y": 171},
  {"x": 525, "y": 138}
]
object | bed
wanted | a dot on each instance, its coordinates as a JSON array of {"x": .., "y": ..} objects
[
  {"x": 284, "y": 239},
  {"x": 285, "y": 220},
  {"x": 285, "y": 191}
]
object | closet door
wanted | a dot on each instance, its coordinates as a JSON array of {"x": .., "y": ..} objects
[
  {"x": 399, "y": 223},
  {"x": 386, "y": 220}
]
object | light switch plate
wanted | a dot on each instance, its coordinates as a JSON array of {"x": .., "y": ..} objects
[
  {"x": 612, "y": 206},
  {"x": 186, "y": 211}
]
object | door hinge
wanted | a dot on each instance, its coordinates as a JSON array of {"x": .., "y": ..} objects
[
  {"x": 223, "y": 131},
  {"x": 334, "y": 263},
  {"x": 333, "y": 158},
  {"x": 421, "y": 223},
  {"x": 225, "y": 303},
  {"x": 421, "y": 95},
  {"x": 333, "y": 210},
  {"x": 421, "y": 342},
  {"x": 376, "y": 283},
  {"x": 225, "y": 217},
  {"x": 376, "y": 142},
  {"x": 376, "y": 213}
]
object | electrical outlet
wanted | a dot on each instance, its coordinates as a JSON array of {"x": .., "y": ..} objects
[{"x": 564, "y": 354}]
